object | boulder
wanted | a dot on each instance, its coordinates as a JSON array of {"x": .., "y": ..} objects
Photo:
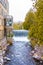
[{"x": 6, "y": 58}]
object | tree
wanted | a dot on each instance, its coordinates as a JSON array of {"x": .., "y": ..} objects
[
  {"x": 39, "y": 13},
  {"x": 34, "y": 22},
  {"x": 29, "y": 19},
  {"x": 36, "y": 31}
]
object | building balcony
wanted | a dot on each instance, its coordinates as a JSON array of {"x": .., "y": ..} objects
[{"x": 9, "y": 28}]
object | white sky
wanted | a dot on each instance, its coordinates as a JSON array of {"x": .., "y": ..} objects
[{"x": 19, "y": 8}]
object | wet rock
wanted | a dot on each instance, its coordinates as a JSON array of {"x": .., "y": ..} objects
[
  {"x": 6, "y": 58},
  {"x": 32, "y": 52},
  {"x": 37, "y": 53},
  {"x": 1, "y": 57},
  {"x": 5, "y": 61},
  {"x": 1, "y": 61},
  {"x": 41, "y": 61},
  {"x": 36, "y": 56},
  {"x": 12, "y": 55},
  {"x": 3, "y": 52}
]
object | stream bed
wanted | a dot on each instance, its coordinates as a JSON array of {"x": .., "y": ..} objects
[{"x": 19, "y": 52}]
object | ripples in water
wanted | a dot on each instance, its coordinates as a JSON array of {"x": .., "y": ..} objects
[{"x": 19, "y": 52}]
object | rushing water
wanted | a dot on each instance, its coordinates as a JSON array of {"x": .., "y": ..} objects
[{"x": 19, "y": 52}]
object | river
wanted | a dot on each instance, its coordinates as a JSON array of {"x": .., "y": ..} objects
[{"x": 19, "y": 52}]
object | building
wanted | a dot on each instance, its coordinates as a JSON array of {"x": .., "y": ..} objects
[
  {"x": 4, "y": 10},
  {"x": 5, "y": 24},
  {"x": 5, "y": 28},
  {"x": 9, "y": 28},
  {"x": 6, "y": 21}
]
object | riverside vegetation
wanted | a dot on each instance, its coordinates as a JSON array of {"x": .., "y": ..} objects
[{"x": 34, "y": 23}]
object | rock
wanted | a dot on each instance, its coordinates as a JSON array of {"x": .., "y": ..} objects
[
  {"x": 37, "y": 53},
  {"x": 1, "y": 57},
  {"x": 12, "y": 55},
  {"x": 32, "y": 52},
  {"x": 36, "y": 56},
  {"x": 1, "y": 61},
  {"x": 5, "y": 61},
  {"x": 3, "y": 52},
  {"x": 6, "y": 58},
  {"x": 41, "y": 61}
]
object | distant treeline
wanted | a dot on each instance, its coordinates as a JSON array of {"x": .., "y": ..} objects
[{"x": 17, "y": 26}]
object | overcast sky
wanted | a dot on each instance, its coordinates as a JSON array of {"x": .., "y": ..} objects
[{"x": 19, "y": 8}]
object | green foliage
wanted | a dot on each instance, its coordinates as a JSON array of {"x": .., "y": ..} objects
[
  {"x": 10, "y": 35},
  {"x": 29, "y": 19},
  {"x": 39, "y": 7},
  {"x": 17, "y": 26},
  {"x": 34, "y": 22}
]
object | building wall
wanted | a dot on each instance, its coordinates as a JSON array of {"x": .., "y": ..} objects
[
  {"x": 1, "y": 27},
  {"x": 4, "y": 10},
  {"x": 5, "y": 4}
]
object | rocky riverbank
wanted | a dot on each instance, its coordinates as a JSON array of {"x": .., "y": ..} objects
[
  {"x": 37, "y": 53},
  {"x": 3, "y": 47},
  {"x": 1, "y": 57}
]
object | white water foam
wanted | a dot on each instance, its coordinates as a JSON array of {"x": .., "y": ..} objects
[{"x": 25, "y": 39}]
